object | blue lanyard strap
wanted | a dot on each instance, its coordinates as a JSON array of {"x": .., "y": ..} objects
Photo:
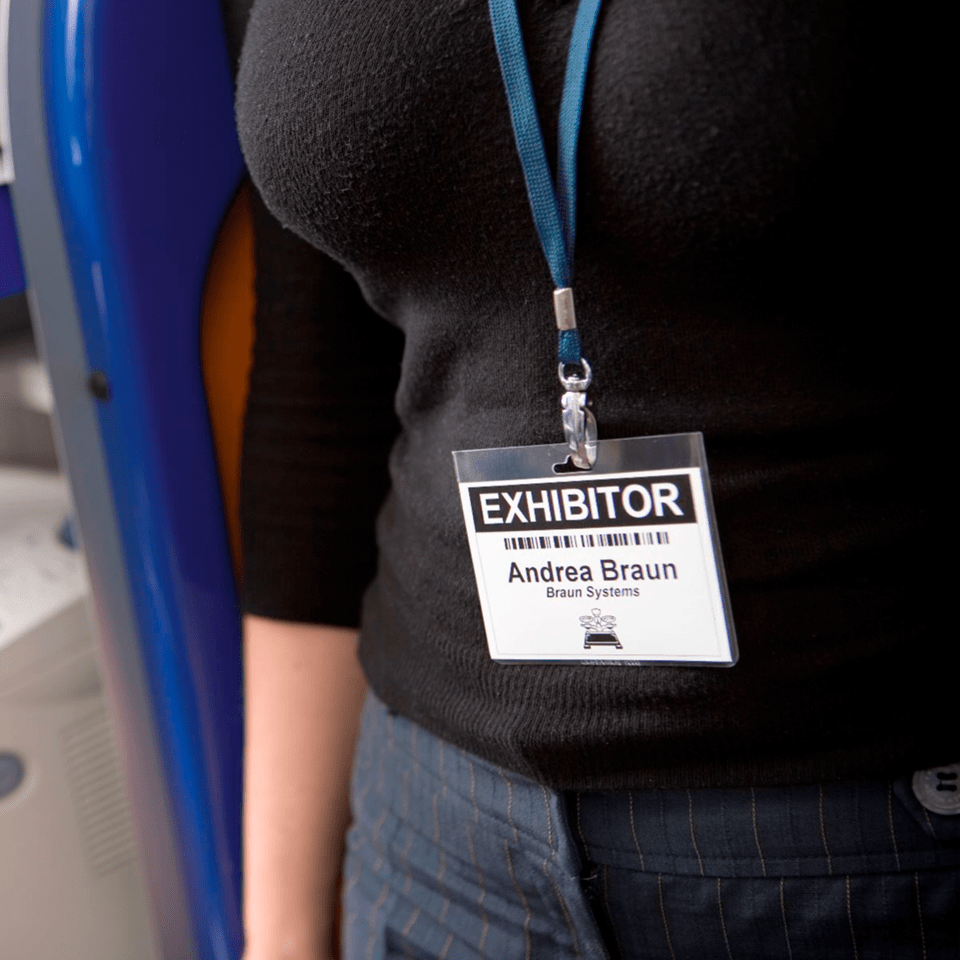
[{"x": 554, "y": 210}]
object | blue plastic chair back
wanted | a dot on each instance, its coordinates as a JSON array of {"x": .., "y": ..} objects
[{"x": 143, "y": 159}]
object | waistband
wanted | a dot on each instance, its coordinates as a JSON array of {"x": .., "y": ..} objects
[{"x": 819, "y": 829}]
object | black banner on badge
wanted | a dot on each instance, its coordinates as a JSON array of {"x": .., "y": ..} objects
[{"x": 604, "y": 502}]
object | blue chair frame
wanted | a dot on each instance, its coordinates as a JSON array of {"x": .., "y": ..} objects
[{"x": 143, "y": 161}]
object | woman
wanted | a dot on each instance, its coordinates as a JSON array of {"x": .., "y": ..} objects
[{"x": 732, "y": 256}]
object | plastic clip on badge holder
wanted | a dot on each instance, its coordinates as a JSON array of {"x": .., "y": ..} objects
[{"x": 587, "y": 551}]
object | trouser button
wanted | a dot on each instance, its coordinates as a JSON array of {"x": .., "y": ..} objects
[{"x": 938, "y": 789}]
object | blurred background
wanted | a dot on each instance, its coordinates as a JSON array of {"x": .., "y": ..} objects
[
  {"x": 126, "y": 297},
  {"x": 70, "y": 876}
]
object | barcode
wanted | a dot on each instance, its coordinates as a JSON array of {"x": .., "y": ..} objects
[{"x": 579, "y": 540}]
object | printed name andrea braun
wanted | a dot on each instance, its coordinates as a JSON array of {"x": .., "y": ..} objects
[
  {"x": 610, "y": 570},
  {"x": 605, "y": 502}
]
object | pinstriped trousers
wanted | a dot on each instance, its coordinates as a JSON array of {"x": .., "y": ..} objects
[{"x": 453, "y": 858}]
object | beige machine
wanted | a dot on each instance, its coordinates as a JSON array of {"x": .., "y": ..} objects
[{"x": 71, "y": 886}]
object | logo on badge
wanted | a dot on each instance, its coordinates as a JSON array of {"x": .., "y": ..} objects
[{"x": 598, "y": 630}]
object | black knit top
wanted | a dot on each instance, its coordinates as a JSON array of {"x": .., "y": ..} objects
[{"x": 751, "y": 200}]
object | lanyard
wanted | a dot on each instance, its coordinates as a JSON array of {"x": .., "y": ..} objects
[{"x": 554, "y": 208}]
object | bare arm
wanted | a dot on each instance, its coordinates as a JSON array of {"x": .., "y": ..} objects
[{"x": 304, "y": 690}]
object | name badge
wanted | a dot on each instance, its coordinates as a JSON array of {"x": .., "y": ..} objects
[{"x": 620, "y": 563}]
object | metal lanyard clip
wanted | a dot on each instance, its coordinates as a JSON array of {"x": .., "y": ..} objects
[{"x": 579, "y": 424}]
